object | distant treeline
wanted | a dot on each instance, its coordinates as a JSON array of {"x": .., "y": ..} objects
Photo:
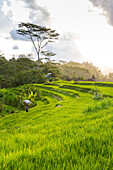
[
  {"x": 24, "y": 70},
  {"x": 82, "y": 71}
]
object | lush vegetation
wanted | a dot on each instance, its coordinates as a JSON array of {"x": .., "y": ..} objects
[
  {"x": 80, "y": 71},
  {"x": 70, "y": 127},
  {"x": 24, "y": 70}
]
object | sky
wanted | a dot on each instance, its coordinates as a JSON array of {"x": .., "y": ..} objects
[{"x": 85, "y": 28}]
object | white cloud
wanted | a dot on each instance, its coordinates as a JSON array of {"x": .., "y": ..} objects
[
  {"x": 5, "y": 19},
  {"x": 66, "y": 48},
  {"x": 37, "y": 14},
  {"x": 107, "y": 7}
]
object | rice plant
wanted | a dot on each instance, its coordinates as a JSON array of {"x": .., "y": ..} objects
[
  {"x": 58, "y": 135},
  {"x": 103, "y": 104}
]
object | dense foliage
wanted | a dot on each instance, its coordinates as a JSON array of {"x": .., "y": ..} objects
[
  {"x": 11, "y": 100},
  {"x": 23, "y": 70}
]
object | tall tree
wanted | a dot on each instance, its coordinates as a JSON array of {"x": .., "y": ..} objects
[{"x": 39, "y": 36}]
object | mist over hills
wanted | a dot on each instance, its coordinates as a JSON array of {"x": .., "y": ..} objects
[{"x": 84, "y": 70}]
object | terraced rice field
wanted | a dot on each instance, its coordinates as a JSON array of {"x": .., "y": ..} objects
[{"x": 68, "y": 130}]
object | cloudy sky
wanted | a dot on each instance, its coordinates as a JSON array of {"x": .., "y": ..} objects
[{"x": 85, "y": 28}]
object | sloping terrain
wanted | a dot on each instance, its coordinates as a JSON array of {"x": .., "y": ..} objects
[
  {"x": 85, "y": 70},
  {"x": 73, "y": 129}
]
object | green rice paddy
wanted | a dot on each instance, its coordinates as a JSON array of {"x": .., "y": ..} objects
[{"x": 72, "y": 131}]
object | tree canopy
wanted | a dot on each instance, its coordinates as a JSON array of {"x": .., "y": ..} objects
[
  {"x": 40, "y": 37},
  {"x": 23, "y": 70}
]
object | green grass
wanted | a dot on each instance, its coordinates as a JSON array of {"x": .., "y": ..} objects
[{"x": 76, "y": 135}]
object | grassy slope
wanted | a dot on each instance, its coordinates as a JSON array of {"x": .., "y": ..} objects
[{"x": 64, "y": 137}]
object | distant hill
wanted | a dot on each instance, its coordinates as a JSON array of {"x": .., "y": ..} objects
[{"x": 85, "y": 70}]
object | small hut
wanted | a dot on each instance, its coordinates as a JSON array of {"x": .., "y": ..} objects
[{"x": 49, "y": 76}]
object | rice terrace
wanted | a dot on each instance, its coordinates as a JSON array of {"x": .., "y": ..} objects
[{"x": 69, "y": 126}]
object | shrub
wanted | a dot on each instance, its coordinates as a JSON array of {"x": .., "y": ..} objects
[
  {"x": 11, "y": 99},
  {"x": 33, "y": 103},
  {"x": 1, "y": 107},
  {"x": 98, "y": 96},
  {"x": 1, "y": 93},
  {"x": 45, "y": 100}
]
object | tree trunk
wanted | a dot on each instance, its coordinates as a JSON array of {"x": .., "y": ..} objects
[
  {"x": 36, "y": 50},
  {"x": 38, "y": 60}
]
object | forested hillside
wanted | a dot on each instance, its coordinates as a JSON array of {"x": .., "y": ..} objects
[
  {"x": 85, "y": 70},
  {"x": 24, "y": 70}
]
